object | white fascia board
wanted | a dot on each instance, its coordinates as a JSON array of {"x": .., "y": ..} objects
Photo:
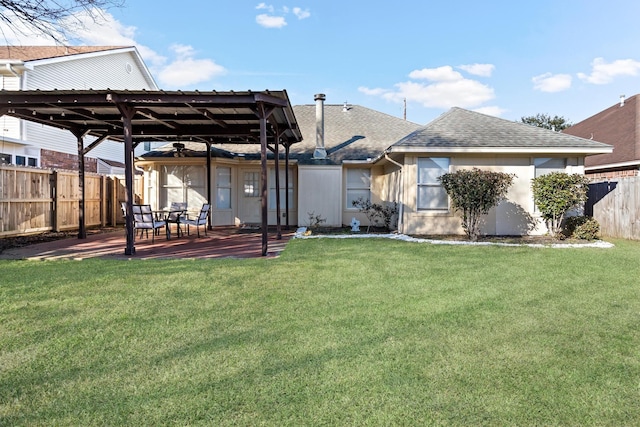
[
  {"x": 66, "y": 58},
  {"x": 613, "y": 165},
  {"x": 503, "y": 150}
]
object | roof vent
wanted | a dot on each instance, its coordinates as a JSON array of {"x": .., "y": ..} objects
[
  {"x": 345, "y": 107},
  {"x": 622, "y": 100}
]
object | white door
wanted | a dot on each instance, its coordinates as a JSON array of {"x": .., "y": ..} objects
[{"x": 250, "y": 199}]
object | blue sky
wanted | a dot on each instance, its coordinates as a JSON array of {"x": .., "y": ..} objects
[{"x": 505, "y": 58}]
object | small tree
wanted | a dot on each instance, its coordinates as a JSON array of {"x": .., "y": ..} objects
[
  {"x": 545, "y": 121},
  {"x": 557, "y": 193},
  {"x": 473, "y": 193}
]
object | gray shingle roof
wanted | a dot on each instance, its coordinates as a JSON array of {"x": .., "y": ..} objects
[
  {"x": 460, "y": 129},
  {"x": 358, "y": 133},
  {"x": 351, "y": 133}
]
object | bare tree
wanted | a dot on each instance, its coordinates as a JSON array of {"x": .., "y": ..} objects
[{"x": 52, "y": 18}]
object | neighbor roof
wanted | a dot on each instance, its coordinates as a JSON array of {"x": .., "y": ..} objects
[
  {"x": 617, "y": 126},
  {"x": 460, "y": 130},
  {"x": 32, "y": 53}
]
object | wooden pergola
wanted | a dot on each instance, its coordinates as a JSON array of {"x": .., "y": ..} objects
[{"x": 132, "y": 117}]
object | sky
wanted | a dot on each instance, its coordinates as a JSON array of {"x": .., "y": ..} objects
[{"x": 509, "y": 59}]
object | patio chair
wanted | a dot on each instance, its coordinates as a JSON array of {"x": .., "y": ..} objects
[
  {"x": 201, "y": 219},
  {"x": 143, "y": 219},
  {"x": 175, "y": 216}
]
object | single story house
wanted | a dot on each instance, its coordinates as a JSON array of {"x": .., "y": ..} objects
[
  {"x": 616, "y": 126},
  {"x": 349, "y": 151}
]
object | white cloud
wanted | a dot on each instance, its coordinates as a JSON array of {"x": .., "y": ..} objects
[
  {"x": 19, "y": 33},
  {"x": 278, "y": 20},
  {"x": 552, "y": 82},
  {"x": 603, "y": 73},
  {"x": 372, "y": 92},
  {"x": 186, "y": 70},
  {"x": 482, "y": 70},
  {"x": 439, "y": 74},
  {"x": 446, "y": 88},
  {"x": 270, "y": 21},
  {"x": 264, "y": 6},
  {"x": 301, "y": 14}
]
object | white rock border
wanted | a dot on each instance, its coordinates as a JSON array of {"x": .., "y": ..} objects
[{"x": 300, "y": 234}]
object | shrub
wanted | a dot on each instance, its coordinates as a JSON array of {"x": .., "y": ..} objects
[
  {"x": 587, "y": 229},
  {"x": 377, "y": 213},
  {"x": 557, "y": 193},
  {"x": 473, "y": 193}
]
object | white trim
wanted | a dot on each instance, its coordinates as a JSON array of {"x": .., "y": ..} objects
[
  {"x": 505, "y": 150},
  {"x": 613, "y": 165}
]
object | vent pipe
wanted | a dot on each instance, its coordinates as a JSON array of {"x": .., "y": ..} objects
[
  {"x": 319, "y": 152},
  {"x": 622, "y": 100}
]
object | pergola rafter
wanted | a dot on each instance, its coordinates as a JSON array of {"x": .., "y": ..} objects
[{"x": 132, "y": 117}]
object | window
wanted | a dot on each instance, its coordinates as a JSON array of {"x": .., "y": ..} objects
[
  {"x": 5, "y": 159},
  {"x": 251, "y": 184},
  {"x": 431, "y": 194},
  {"x": 223, "y": 188},
  {"x": 545, "y": 165},
  {"x": 23, "y": 160},
  {"x": 272, "y": 189},
  {"x": 183, "y": 184},
  {"x": 358, "y": 186}
]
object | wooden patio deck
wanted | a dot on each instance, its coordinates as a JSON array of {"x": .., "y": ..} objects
[{"x": 221, "y": 242}]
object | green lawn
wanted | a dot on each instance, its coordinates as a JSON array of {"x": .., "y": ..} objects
[{"x": 334, "y": 332}]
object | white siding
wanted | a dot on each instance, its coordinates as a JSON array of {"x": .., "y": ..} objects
[
  {"x": 88, "y": 72},
  {"x": 320, "y": 193},
  {"x": 10, "y": 126},
  {"x": 108, "y": 71}
]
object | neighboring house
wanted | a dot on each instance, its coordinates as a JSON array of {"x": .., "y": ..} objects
[
  {"x": 65, "y": 67},
  {"x": 351, "y": 151},
  {"x": 618, "y": 126}
]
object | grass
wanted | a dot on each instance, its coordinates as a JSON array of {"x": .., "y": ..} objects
[{"x": 334, "y": 332}]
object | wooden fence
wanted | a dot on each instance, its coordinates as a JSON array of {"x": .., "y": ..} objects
[
  {"x": 35, "y": 200},
  {"x": 616, "y": 206}
]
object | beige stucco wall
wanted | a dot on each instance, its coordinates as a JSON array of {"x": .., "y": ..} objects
[
  {"x": 516, "y": 215},
  {"x": 320, "y": 192},
  {"x": 220, "y": 217}
]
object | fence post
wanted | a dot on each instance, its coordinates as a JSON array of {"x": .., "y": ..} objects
[{"x": 54, "y": 200}]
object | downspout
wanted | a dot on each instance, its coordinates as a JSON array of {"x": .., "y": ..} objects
[{"x": 401, "y": 207}]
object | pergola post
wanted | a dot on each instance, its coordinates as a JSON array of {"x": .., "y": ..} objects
[
  {"x": 277, "y": 171},
  {"x": 82, "y": 229},
  {"x": 127, "y": 114},
  {"x": 263, "y": 113},
  {"x": 209, "y": 170},
  {"x": 286, "y": 184}
]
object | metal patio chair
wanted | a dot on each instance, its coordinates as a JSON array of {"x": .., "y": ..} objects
[
  {"x": 143, "y": 219},
  {"x": 201, "y": 219}
]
